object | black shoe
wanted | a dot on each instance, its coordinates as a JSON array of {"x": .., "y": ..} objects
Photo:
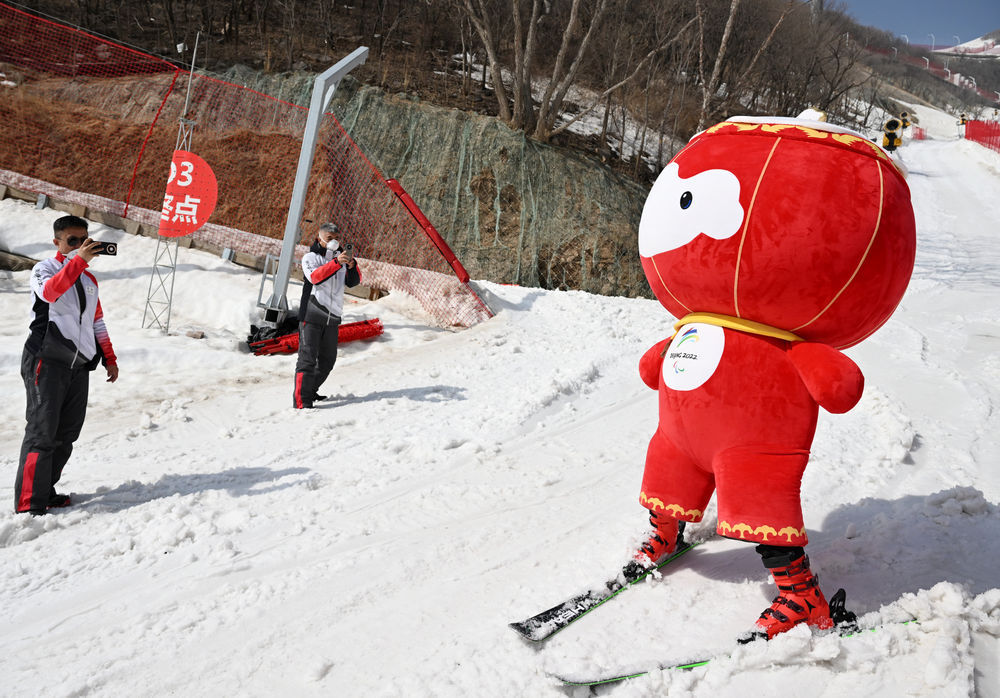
[
  {"x": 319, "y": 398},
  {"x": 35, "y": 512},
  {"x": 58, "y": 501}
]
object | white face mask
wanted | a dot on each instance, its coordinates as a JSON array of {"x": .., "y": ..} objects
[{"x": 72, "y": 253}]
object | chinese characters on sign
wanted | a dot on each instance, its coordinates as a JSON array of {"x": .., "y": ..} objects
[{"x": 192, "y": 192}]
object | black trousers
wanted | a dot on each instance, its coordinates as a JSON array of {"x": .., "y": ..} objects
[
  {"x": 57, "y": 407},
  {"x": 317, "y": 355}
]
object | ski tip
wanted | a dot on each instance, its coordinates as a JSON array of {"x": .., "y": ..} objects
[
  {"x": 569, "y": 681},
  {"x": 627, "y": 675},
  {"x": 524, "y": 632}
]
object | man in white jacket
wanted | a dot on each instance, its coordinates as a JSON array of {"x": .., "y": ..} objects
[
  {"x": 67, "y": 338},
  {"x": 327, "y": 269}
]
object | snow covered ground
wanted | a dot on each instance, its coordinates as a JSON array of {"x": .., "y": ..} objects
[{"x": 222, "y": 543}]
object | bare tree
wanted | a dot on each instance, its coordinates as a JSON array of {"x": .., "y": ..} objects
[
  {"x": 387, "y": 22},
  {"x": 534, "y": 25},
  {"x": 739, "y": 86},
  {"x": 485, "y": 21},
  {"x": 525, "y": 47},
  {"x": 171, "y": 21},
  {"x": 735, "y": 77},
  {"x": 816, "y": 64},
  {"x": 562, "y": 78},
  {"x": 527, "y": 21},
  {"x": 662, "y": 39},
  {"x": 467, "y": 58},
  {"x": 710, "y": 86}
]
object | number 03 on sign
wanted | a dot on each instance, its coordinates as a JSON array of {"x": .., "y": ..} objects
[{"x": 191, "y": 195}]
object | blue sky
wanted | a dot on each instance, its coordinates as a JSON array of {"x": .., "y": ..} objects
[{"x": 918, "y": 19}]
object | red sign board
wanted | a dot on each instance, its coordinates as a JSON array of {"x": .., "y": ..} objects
[{"x": 191, "y": 195}]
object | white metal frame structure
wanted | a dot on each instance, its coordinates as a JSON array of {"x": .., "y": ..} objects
[{"x": 276, "y": 307}]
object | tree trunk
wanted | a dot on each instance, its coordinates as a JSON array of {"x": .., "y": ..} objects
[
  {"x": 709, "y": 89},
  {"x": 562, "y": 79},
  {"x": 523, "y": 116},
  {"x": 604, "y": 121},
  {"x": 481, "y": 22},
  {"x": 171, "y": 22}
]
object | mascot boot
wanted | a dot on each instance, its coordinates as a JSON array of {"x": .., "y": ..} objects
[
  {"x": 662, "y": 542},
  {"x": 799, "y": 600}
]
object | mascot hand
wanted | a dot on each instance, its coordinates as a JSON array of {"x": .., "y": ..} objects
[
  {"x": 833, "y": 380},
  {"x": 651, "y": 363}
]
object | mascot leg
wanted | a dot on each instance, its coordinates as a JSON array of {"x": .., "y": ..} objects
[
  {"x": 674, "y": 490},
  {"x": 799, "y": 597},
  {"x": 666, "y": 535},
  {"x": 759, "y": 502},
  {"x": 759, "y": 494}
]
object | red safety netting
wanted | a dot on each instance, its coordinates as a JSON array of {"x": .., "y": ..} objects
[
  {"x": 98, "y": 123},
  {"x": 985, "y": 133}
]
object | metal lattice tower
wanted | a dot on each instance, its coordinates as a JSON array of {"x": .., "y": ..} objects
[{"x": 159, "y": 297}]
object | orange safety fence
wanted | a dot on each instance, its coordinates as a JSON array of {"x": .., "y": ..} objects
[
  {"x": 96, "y": 123},
  {"x": 984, "y": 132}
]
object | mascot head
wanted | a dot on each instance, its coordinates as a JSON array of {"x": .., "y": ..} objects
[{"x": 793, "y": 223}]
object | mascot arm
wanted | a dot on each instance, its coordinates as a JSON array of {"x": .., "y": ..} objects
[
  {"x": 651, "y": 363},
  {"x": 834, "y": 381}
]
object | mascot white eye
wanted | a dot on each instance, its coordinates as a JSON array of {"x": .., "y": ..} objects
[{"x": 677, "y": 210}]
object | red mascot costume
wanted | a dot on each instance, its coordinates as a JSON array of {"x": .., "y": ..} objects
[{"x": 778, "y": 242}]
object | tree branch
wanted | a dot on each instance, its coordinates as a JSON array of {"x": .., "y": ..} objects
[
  {"x": 623, "y": 81},
  {"x": 709, "y": 89}
]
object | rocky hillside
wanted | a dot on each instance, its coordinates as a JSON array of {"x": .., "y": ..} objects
[{"x": 512, "y": 209}]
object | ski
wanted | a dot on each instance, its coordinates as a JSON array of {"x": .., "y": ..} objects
[
  {"x": 547, "y": 623},
  {"x": 845, "y": 624}
]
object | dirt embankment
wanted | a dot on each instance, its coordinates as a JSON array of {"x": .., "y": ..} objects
[{"x": 512, "y": 209}]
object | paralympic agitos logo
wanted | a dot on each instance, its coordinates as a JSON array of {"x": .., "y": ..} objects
[{"x": 690, "y": 336}]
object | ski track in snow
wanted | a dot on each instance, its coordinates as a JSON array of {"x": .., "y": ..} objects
[{"x": 454, "y": 482}]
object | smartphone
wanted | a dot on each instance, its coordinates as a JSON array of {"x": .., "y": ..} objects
[
  {"x": 108, "y": 248},
  {"x": 349, "y": 250}
]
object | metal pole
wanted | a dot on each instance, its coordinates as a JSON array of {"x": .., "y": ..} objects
[
  {"x": 187, "y": 97},
  {"x": 323, "y": 89}
]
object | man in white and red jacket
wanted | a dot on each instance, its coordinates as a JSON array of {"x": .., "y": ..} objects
[
  {"x": 327, "y": 269},
  {"x": 67, "y": 338}
]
